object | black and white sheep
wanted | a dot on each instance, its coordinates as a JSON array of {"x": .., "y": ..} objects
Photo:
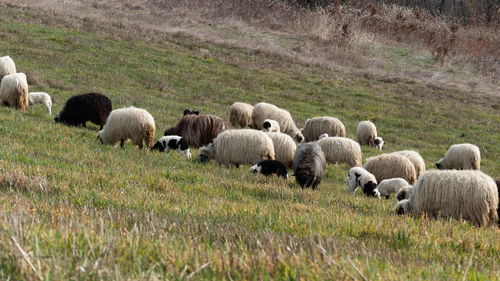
[
  {"x": 14, "y": 91},
  {"x": 263, "y": 111},
  {"x": 379, "y": 143},
  {"x": 468, "y": 195},
  {"x": 271, "y": 126},
  {"x": 240, "y": 114},
  {"x": 309, "y": 165},
  {"x": 415, "y": 158},
  {"x": 128, "y": 123},
  {"x": 388, "y": 166},
  {"x": 464, "y": 156},
  {"x": 358, "y": 176},
  {"x": 79, "y": 109},
  {"x": 284, "y": 148},
  {"x": 189, "y": 112},
  {"x": 317, "y": 126},
  {"x": 366, "y": 133},
  {"x": 341, "y": 150},
  {"x": 235, "y": 147},
  {"x": 7, "y": 66},
  {"x": 40, "y": 97},
  {"x": 198, "y": 130},
  {"x": 269, "y": 167},
  {"x": 388, "y": 186},
  {"x": 177, "y": 143}
]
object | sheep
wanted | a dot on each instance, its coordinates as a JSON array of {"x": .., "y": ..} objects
[
  {"x": 244, "y": 146},
  {"x": 240, "y": 113},
  {"x": 378, "y": 142},
  {"x": 188, "y": 112},
  {"x": 316, "y": 126},
  {"x": 463, "y": 156},
  {"x": 128, "y": 123},
  {"x": 270, "y": 125},
  {"x": 468, "y": 195},
  {"x": 497, "y": 182},
  {"x": 388, "y": 166},
  {"x": 40, "y": 97},
  {"x": 14, "y": 91},
  {"x": 403, "y": 193},
  {"x": 366, "y": 133},
  {"x": 284, "y": 148},
  {"x": 269, "y": 167},
  {"x": 198, "y": 130},
  {"x": 388, "y": 186},
  {"x": 177, "y": 143},
  {"x": 7, "y": 66},
  {"x": 263, "y": 111},
  {"x": 309, "y": 165},
  {"x": 341, "y": 150},
  {"x": 415, "y": 158},
  {"x": 79, "y": 109},
  {"x": 358, "y": 176}
]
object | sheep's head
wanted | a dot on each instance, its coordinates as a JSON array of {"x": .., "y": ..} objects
[
  {"x": 266, "y": 125},
  {"x": 439, "y": 164},
  {"x": 370, "y": 189},
  {"x": 299, "y": 137},
  {"x": 159, "y": 145},
  {"x": 304, "y": 178},
  {"x": 58, "y": 118},
  {"x": 403, "y": 193},
  {"x": 403, "y": 207},
  {"x": 206, "y": 153},
  {"x": 255, "y": 168},
  {"x": 378, "y": 142},
  {"x": 99, "y": 137}
]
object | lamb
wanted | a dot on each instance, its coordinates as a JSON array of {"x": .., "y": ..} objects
[
  {"x": 309, "y": 165},
  {"x": 378, "y": 142},
  {"x": 7, "y": 66},
  {"x": 269, "y": 167},
  {"x": 79, "y": 109},
  {"x": 366, "y": 133},
  {"x": 415, "y": 158},
  {"x": 463, "y": 156},
  {"x": 468, "y": 195},
  {"x": 316, "y": 126},
  {"x": 341, "y": 150},
  {"x": 14, "y": 91},
  {"x": 358, "y": 176},
  {"x": 177, "y": 143},
  {"x": 128, "y": 123},
  {"x": 40, "y": 97},
  {"x": 270, "y": 125},
  {"x": 237, "y": 147},
  {"x": 388, "y": 166},
  {"x": 388, "y": 186},
  {"x": 284, "y": 148},
  {"x": 263, "y": 111},
  {"x": 198, "y": 130},
  {"x": 240, "y": 113},
  {"x": 188, "y": 112}
]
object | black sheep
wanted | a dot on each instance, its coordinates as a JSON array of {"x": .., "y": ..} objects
[
  {"x": 309, "y": 165},
  {"x": 79, "y": 109},
  {"x": 269, "y": 167}
]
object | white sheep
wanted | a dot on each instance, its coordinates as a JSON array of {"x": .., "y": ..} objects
[
  {"x": 468, "y": 195},
  {"x": 463, "y": 156},
  {"x": 284, "y": 148},
  {"x": 366, "y": 133},
  {"x": 14, "y": 91},
  {"x": 358, "y": 176},
  {"x": 317, "y": 126},
  {"x": 7, "y": 66},
  {"x": 40, "y": 97},
  {"x": 263, "y": 111},
  {"x": 388, "y": 166},
  {"x": 240, "y": 113},
  {"x": 244, "y": 146},
  {"x": 415, "y": 158},
  {"x": 388, "y": 186},
  {"x": 341, "y": 150},
  {"x": 309, "y": 165},
  {"x": 128, "y": 123},
  {"x": 270, "y": 125}
]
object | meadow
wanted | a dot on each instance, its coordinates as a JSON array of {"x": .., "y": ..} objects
[{"x": 73, "y": 209}]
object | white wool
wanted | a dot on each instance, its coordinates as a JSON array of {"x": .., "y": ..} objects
[
  {"x": 273, "y": 126},
  {"x": 366, "y": 133},
  {"x": 388, "y": 186},
  {"x": 7, "y": 66},
  {"x": 388, "y": 166},
  {"x": 14, "y": 91},
  {"x": 240, "y": 113},
  {"x": 40, "y": 97},
  {"x": 284, "y": 148},
  {"x": 317, "y": 126},
  {"x": 263, "y": 111},
  {"x": 415, "y": 158},
  {"x": 463, "y": 156},
  {"x": 325, "y": 135},
  {"x": 341, "y": 150}
]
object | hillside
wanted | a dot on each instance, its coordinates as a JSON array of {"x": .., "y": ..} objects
[{"x": 71, "y": 208}]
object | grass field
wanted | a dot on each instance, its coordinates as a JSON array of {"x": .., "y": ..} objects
[{"x": 72, "y": 209}]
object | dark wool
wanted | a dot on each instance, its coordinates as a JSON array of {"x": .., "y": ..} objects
[
  {"x": 188, "y": 112},
  {"x": 79, "y": 109},
  {"x": 309, "y": 165},
  {"x": 198, "y": 130},
  {"x": 269, "y": 167}
]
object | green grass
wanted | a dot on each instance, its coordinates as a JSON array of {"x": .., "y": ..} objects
[{"x": 107, "y": 213}]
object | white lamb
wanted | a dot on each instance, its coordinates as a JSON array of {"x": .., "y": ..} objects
[
  {"x": 388, "y": 186},
  {"x": 40, "y": 97}
]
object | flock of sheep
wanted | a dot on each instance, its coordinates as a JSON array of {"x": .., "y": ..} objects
[{"x": 457, "y": 190}]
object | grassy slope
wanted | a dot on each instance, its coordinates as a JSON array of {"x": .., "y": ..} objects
[{"x": 129, "y": 214}]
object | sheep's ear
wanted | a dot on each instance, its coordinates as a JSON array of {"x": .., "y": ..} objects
[{"x": 196, "y": 112}]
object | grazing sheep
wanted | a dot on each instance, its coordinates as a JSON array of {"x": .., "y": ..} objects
[
  {"x": 415, "y": 158},
  {"x": 497, "y": 182},
  {"x": 341, "y": 150},
  {"x": 198, "y": 130},
  {"x": 269, "y": 167},
  {"x": 188, "y": 112},
  {"x": 358, "y": 176},
  {"x": 237, "y": 147},
  {"x": 7, "y": 66},
  {"x": 366, "y": 133},
  {"x": 317, "y": 126},
  {"x": 388, "y": 166},
  {"x": 240, "y": 113},
  {"x": 463, "y": 156},
  {"x": 468, "y": 195},
  {"x": 378, "y": 142},
  {"x": 128, "y": 123},
  {"x": 284, "y": 148},
  {"x": 177, "y": 143},
  {"x": 403, "y": 193},
  {"x": 40, "y": 97},
  {"x": 14, "y": 91},
  {"x": 271, "y": 126},
  {"x": 263, "y": 111},
  {"x": 388, "y": 186},
  {"x": 79, "y": 109},
  {"x": 309, "y": 165}
]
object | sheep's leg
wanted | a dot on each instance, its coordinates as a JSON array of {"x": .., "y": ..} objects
[
  {"x": 84, "y": 124},
  {"x": 122, "y": 143},
  {"x": 237, "y": 165}
]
